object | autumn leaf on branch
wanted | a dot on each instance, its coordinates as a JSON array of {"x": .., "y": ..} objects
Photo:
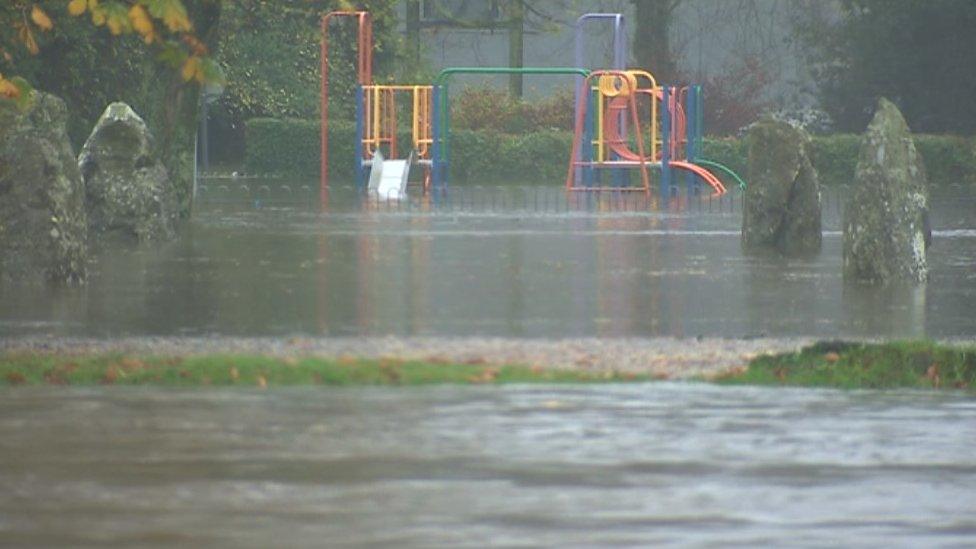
[
  {"x": 26, "y": 37},
  {"x": 171, "y": 12},
  {"x": 16, "y": 89},
  {"x": 164, "y": 24},
  {"x": 142, "y": 23},
  {"x": 40, "y": 18},
  {"x": 77, "y": 7}
]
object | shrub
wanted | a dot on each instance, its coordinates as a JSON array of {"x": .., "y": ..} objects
[
  {"x": 948, "y": 159},
  {"x": 730, "y": 151},
  {"x": 291, "y": 147},
  {"x": 540, "y": 157},
  {"x": 474, "y": 156},
  {"x": 835, "y": 157},
  {"x": 483, "y": 109},
  {"x": 492, "y": 109},
  {"x": 733, "y": 99}
]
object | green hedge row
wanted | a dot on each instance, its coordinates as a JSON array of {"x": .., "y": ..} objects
[{"x": 291, "y": 148}]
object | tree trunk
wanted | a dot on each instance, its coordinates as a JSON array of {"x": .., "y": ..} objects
[
  {"x": 652, "y": 38},
  {"x": 413, "y": 33},
  {"x": 177, "y": 117},
  {"x": 516, "y": 45}
]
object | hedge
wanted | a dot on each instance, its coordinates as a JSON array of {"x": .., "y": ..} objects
[{"x": 291, "y": 148}]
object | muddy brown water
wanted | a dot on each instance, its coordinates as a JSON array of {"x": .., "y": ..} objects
[
  {"x": 663, "y": 464},
  {"x": 507, "y": 262}
]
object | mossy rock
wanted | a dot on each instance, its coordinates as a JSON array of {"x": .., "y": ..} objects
[
  {"x": 886, "y": 225},
  {"x": 127, "y": 189},
  {"x": 782, "y": 208},
  {"x": 43, "y": 223}
]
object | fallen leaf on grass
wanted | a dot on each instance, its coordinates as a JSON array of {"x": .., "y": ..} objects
[
  {"x": 15, "y": 378},
  {"x": 54, "y": 377},
  {"x": 932, "y": 374},
  {"x": 111, "y": 375},
  {"x": 131, "y": 364},
  {"x": 487, "y": 375}
]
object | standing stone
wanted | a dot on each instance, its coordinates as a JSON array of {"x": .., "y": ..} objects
[
  {"x": 886, "y": 226},
  {"x": 43, "y": 227},
  {"x": 128, "y": 191},
  {"x": 781, "y": 208}
]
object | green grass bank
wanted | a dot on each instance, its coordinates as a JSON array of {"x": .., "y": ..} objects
[
  {"x": 895, "y": 365},
  {"x": 290, "y": 147},
  {"x": 262, "y": 371}
]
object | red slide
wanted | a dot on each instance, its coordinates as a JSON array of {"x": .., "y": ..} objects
[
  {"x": 702, "y": 173},
  {"x": 619, "y": 146}
]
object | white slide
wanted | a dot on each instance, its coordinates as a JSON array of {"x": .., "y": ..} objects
[{"x": 388, "y": 178}]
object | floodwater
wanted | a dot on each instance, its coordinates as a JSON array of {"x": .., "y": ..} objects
[
  {"x": 662, "y": 464},
  {"x": 630, "y": 465},
  {"x": 260, "y": 258}
]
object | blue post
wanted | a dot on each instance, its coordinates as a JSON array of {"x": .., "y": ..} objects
[
  {"x": 699, "y": 120},
  {"x": 666, "y": 146},
  {"x": 435, "y": 155},
  {"x": 445, "y": 122},
  {"x": 586, "y": 147},
  {"x": 358, "y": 168},
  {"x": 690, "y": 137}
]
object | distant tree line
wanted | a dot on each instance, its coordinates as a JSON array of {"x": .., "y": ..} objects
[{"x": 921, "y": 54}]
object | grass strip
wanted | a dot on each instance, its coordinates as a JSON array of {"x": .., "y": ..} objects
[
  {"x": 262, "y": 371},
  {"x": 899, "y": 364}
]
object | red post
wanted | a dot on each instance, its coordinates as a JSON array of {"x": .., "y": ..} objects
[{"x": 365, "y": 69}]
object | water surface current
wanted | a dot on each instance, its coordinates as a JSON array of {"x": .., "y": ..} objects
[
  {"x": 507, "y": 261},
  {"x": 664, "y": 464}
]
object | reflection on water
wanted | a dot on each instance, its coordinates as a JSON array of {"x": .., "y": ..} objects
[
  {"x": 637, "y": 465},
  {"x": 492, "y": 261}
]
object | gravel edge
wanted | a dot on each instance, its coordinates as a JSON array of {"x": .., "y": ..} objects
[{"x": 665, "y": 358}]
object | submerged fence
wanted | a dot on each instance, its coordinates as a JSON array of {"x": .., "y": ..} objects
[{"x": 258, "y": 193}]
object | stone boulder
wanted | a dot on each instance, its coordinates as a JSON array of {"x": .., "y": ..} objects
[
  {"x": 128, "y": 191},
  {"x": 886, "y": 225},
  {"x": 43, "y": 226},
  {"x": 781, "y": 207}
]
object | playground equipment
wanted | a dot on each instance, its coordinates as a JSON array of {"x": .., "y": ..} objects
[
  {"x": 624, "y": 121},
  {"x": 376, "y": 120}
]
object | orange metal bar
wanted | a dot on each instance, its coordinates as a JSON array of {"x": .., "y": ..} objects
[
  {"x": 578, "y": 132},
  {"x": 365, "y": 75}
]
